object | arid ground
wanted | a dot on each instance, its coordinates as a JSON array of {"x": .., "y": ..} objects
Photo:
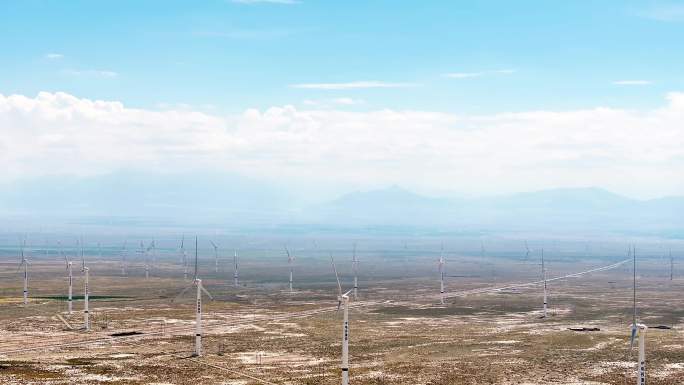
[{"x": 259, "y": 333}]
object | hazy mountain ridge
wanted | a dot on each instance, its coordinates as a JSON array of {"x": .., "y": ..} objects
[
  {"x": 572, "y": 209},
  {"x": 236, "y": 201}
]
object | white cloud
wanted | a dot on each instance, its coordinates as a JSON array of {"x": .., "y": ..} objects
[
  {"x": 347, "y": 101},
  {"x": 634, "y": 152},
  {"x": 54, "y": 56},
  {"x": 92, "y": 73},
  {"x": 632, "y": 82},
  {"x": 352, "y": 85},
  {"x": 463, "y": 75}
]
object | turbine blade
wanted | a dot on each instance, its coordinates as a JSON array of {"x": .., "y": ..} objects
[
  {"x": 206, "y": 292},
  {"x": 195, "y": 257},
  {"x": 631, "y": 340},
  {"x": 181, "y": 293},
  {"x": 339, "y": 287}
]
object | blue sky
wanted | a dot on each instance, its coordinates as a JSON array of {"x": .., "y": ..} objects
[
  {"x": 518, "y": 55},
  {"x": 464, "y": 97}
]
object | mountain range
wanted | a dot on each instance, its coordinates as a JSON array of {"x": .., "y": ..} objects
[{"x": 238, "y": 201}]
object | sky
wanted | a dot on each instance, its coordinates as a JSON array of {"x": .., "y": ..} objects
[{"x": 325, "y": 97}]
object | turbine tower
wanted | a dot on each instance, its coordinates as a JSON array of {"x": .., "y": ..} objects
[
  {"x": 24, "y": 262},
  {"x": 143, "y": 255},
  {"x": 184, "y": 259},
  {"x": 86, "y": 295},
  {"x": 290, "y": 259},
  {"x": 543, "y": 267},
  {"x": 148, "y": 266},
  {"x": 441, "y": 275},
  {"x": 638, "y": 329},
  {"x": 124, "y": 251},
  {"x": 70, "y": 271},
  {"x": 343, "y": 299},
  {"x": 198, "y": 308},
  {"x": 235, "y": 269}
]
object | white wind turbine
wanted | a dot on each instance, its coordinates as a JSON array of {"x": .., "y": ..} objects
[
  {"x": 216, "y": 269},
  {"x": 543, "y": 267},
  {"x": 235, "y": 269},
  {"x": 343, "y": 299},
  {"x": 198, "y": 309},
  {"x": 355, "y": 267},
  {"x": 184, "y": 258},
  {"x": 25, "y": 263},
  {"x": 290, "y": 259},
  {"x": 441, "y": 275},
  {"x": 405, "y": 260},
  {"x": 154, "y": 253},
  {"x": 86, "y": 295},
  {"x": 638, "y": 329},
  {"x": 153, "y": 248},
  {"x": 143, "y": 255},
  {"x": 124, "y": 251},
  {"x": 70, "y": 271}
]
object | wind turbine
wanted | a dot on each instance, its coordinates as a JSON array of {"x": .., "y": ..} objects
[
  {"x": 143, "y": 254},
  {"x": 154, "y": 253},
  {"x": 86, "y": 296},
  {"x": 638, "y": 329},
  {"x": 290, "y": 259},
  {"x": 543, "y": 267},
  {"x": 124, "y": 251},
  {"x": 441, "y": 275},
  {"x": 24, "y": 262},
  {"x": 184, "y": 259},
  {"x": 527, "y": 251},
  {"x": 405, "y": 260},
  {"x": 671, "y": 265},
  {"x": 153, "y": 247},
  {"x": 343, "y": 299},
  {"x": 198, "y": 309},
  {"x": 80, "y": 245},
  {"x": 215, "y": 255},
  {"x": 355, "y": 267},
  {"x": 70, "y": 271},
  {"x": 235, "y": 267}
]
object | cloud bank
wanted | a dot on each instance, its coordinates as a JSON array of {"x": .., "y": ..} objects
[{"x": 639, "y": 153}]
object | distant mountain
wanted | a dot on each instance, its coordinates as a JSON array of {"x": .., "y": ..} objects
[
  {"x": 390, "y": 198},
  {"x": 179, "y": 195},
  {"x": 557, "y": 210},
  {"x": 563, "y": 199},
  {"x": 227, "y": 200},
  {"x": 392, "y": 205}
]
